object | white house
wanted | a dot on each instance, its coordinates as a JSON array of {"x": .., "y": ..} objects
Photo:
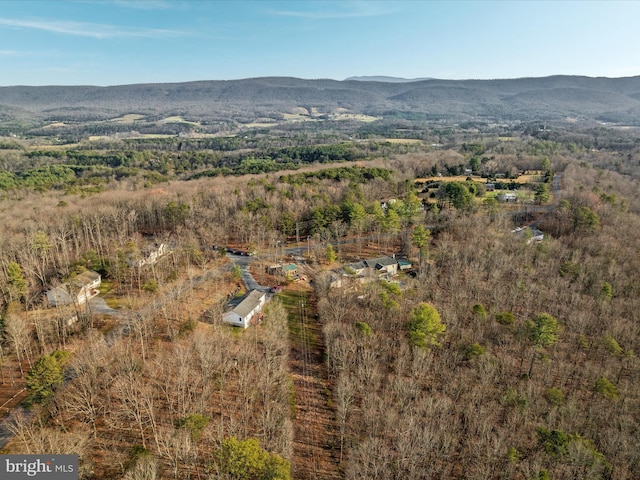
[
  {"x": 78, "y": 290},
  {"x": 247, "y": 310},
  {"x": 507, "y": 197}
]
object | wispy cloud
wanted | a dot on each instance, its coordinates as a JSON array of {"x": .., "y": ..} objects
[
  {"x": 146, "y": 4},
  {"x": 93, "y": 30},
  {"x": 334, "y": 10}
]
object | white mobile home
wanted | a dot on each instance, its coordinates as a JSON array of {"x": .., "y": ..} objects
[{"x": 247, "y": 310}]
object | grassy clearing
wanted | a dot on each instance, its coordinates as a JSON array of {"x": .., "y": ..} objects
[
  {"x": 296, "y": 117},
  {"x": 128, "y": 118},
  {"x": 259, "y": 125},
  {"x": 293, "y": 301},
  {"x": 177, "y": 119},
  {"x": 66, "y": 146},
  {"x": 403, "y": 141},
  {"x": 353, "y": 116}
]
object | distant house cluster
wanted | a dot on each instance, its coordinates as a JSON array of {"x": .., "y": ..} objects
[
  {"x": 373, "y": 269},
  {"x": 77, "y": 291}
]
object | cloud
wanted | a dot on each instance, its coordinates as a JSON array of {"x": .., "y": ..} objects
[
  {"x": 145, "y": 4},
  {"x": 93, "y": 30},
  {"x": 352, "y": 9}
]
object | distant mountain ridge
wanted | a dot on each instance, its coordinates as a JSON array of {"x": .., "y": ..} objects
[
  {"x": 384, "y": 78},
  {"x": 586, "y": 99}
]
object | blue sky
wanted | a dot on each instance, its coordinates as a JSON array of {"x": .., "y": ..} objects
[{"x": 111, "y": 42}]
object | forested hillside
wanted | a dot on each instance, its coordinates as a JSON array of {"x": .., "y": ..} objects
[
  {"x": 570, "y": 98},
  {"x": 496, "y": 354}
]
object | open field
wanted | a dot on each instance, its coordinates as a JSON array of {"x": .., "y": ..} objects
[
  {"x": 404, "y": 141},
  {"x": 55, "y": 125},
  {"x": 353, "y": 116},
  {"x": 523, "y": 179},
  {"x": 128, "y": 118},
  {"x": 98, "y": 138},
  {"x": 304, "y": 115},
  {"x": 259, "y": 125},
  {"x": 177, "y": 119}
]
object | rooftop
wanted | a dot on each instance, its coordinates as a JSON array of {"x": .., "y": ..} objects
[{"x": 250, "y": 302}]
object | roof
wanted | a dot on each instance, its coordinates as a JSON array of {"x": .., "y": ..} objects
[
  {"x": 382, "y": 261},
  {"x": 290, "y": 268},
  {"x": 249, "y": 304},
  {"x": 59, "y": 295},
  {"x": 404, "y": 261},
  {"x": 357, "y": 266},
  {"x": 84, "y": 278}
]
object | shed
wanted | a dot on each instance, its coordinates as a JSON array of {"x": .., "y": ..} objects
[
  {"x": 290, "y": 270},
  {"x": 404, "y": 264}
]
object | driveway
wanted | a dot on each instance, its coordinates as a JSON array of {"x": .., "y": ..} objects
[{"x": 243, "y": 262}]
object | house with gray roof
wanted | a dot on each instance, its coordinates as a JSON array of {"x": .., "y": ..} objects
[
  {"x": 247, "y": 311},
  {"x": 77, "y": 291},
  {"x": 383, "y": 265}
]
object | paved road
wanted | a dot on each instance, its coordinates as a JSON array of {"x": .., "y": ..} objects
[{"x": 243, "y": 262}]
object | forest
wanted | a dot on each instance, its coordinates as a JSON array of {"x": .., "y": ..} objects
[{"x": 496, "y": 355}]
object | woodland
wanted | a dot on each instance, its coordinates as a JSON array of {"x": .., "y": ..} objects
[{"x": 495, "y": 357}]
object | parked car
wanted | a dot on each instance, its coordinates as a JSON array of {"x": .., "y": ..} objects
[{"x": 276, "y": 289}]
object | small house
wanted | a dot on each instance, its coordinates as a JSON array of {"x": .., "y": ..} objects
[
  {"x": 357, "y": 268},
  {"x": 290, "y": 270},
  {"x": 506, "y": 197},
  {"x": 77, "y": 290},
  {"x": 274, "y": 269},
  {"x": 383, "y": 265},
  {"x": 247, "y": 311}
]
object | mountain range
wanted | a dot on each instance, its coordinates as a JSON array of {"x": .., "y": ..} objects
[{"x": 573, "y": 98}]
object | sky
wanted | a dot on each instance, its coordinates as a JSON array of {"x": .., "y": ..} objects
[{"x": 115, "y": 42}]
